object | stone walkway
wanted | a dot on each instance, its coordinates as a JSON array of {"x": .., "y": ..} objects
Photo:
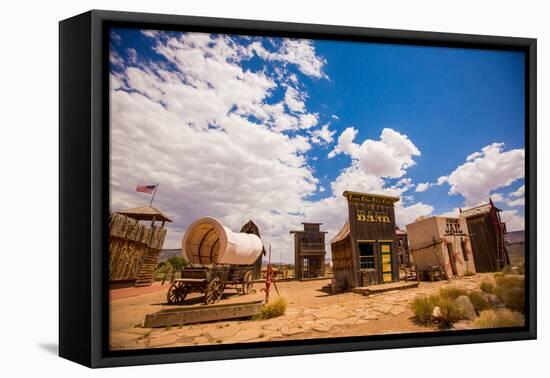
[{"x": 347, "y": 314}]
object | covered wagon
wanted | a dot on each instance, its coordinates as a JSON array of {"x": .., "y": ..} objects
[{"x": 219, "y": 258}]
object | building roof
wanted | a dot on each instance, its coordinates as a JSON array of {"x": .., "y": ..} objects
[
  {"x": 342, "y": 234},
  {"x": 145, "y": 213},
  {"x": 369, "y": 196},
  {"x": 478, "y": 210}
]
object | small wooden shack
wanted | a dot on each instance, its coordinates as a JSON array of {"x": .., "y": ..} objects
[
  {"x": 487, "y": 234},
  {"x": 309, "y": 251},
  {"x": 134, "y": 247},
  {"x": 442, "y": 243},
  {"x": 364, "y": 251},
  {"x": 403, "y": 247},
  {"x": 251, "y": 228}
]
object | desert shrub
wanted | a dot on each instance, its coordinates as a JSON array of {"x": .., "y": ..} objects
[
  {"x": 514, "y": 299},
  {"x": 510, "y": 289},
  {"x": 273, "y": 309},
  {"x": 479, "y": 301},
  {"x": 452, "y": 292},
  {"x": 423, "y": 306},
  {"x": 487, "y": 287},
  {"x": 507, "y": 270},
  {"x": 499, "y": 318},
  {"x": 450, "y": 312}
]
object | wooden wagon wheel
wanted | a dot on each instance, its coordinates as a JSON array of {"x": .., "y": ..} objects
[
  {"x": 247, "y": 283},
  {"x": 214, "y": 291},
  {"x": 177, "y": 292}
]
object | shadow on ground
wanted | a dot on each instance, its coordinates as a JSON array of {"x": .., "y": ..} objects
[{"x": 51, "y": 348}]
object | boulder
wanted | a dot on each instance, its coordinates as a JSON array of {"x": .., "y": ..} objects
[
  {"x": 466, "y": 308},
  {"x": 436, "y": 313}
]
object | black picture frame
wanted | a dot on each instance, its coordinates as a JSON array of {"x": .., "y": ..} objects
[{"x": 83, "y": 196}]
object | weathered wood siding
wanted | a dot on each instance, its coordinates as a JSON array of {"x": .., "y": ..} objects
[
  {"x": 376, "y": 232},
  {"x": 342, "y": 262},
  {"x": 483, "y": 237},
  {"x": 133, "y": 249}
]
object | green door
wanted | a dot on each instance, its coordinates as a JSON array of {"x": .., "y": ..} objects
[{"x": 385, "y": 258}]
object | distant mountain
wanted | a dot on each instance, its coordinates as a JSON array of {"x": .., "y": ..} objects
[
  {"x": 165, "y": 254},
  {"x": 513, "y": 237}
]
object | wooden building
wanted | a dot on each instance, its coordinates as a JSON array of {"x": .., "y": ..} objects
[
  {"x": 487, "y": 234},
  {"x": 364, "y": 252},
  {"x": 309, "y": 251},
  {"x": 251, "y": 228},
  {"x": 442, "y": 244},
  {"x": 134, "y": 247},
  {"x": 403, "y": 247}
]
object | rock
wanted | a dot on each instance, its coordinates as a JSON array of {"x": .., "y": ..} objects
[
  {"x": 201, "y": 340},
  {"x": 322, "y": 328},
  {"x": 162, "y": 341},
  {"x": 190, "y": 332},
  {"x": 396, "y": 310},
  {"x": 218, "y": 333},
  {"x": 465, "y": 306},
  {"x": 383, "y": 308},
  {"x": 462, "y": 325},
  {"x": 436, "y": 313},
  {"x": 244, "y": 335},
  {"x": 291, "y": 331}
]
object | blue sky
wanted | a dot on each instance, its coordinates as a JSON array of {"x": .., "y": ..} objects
[{"x": 451, "y": 114}]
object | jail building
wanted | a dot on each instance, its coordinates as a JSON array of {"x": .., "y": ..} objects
[
  {"x": 309, "y": 251},
  {"x": 364, "y": 251},
  {"x": 441, "y": 243}
]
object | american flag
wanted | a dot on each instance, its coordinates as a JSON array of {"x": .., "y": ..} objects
[{"x": 145, "y": 188}]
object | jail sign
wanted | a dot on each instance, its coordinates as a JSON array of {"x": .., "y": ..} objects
[
  {"x": 372, "y": 216},
  {"x": 453, "y": 227}
]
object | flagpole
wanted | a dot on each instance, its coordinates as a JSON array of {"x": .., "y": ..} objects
[{"x": 153, "y": 196}]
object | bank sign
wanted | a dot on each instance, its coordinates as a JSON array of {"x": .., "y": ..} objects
[{"x": 372, "y": 216}]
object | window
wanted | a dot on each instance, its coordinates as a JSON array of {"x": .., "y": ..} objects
[{"x": 366, "y": 256}]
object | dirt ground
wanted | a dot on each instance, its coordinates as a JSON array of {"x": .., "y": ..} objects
[{"x": 311, "y": 313}]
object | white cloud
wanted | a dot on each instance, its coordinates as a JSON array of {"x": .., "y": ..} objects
[
  {"x": 323, "y": 135},
  {"x": 388, "y": 157},
  {"x": 191, "y": 126},
  {"x": 512, "y": 199},
  {"x": 520, "y": 192},
  {"x": 187, "y": 127},
  {"x": 490, "y": 169},
  {"x": 300, "y": 52},
  {"x": 423, "y": 186},
  {"x": 516, "y": 202},
  {"x": 513, "y": 219},
  {"x": 294, "y": 100},
  {"x": 442, "y": 180}
]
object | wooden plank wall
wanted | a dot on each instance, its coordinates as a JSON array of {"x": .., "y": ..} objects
[
  {"x": 362, "y": 230},
  {"x": 342, "y": 262},
  {"x": 484, "y": 243},
  {"x": 130, "y": 243}
]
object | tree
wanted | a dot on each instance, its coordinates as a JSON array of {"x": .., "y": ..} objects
[{"x": 177, "y": 263}]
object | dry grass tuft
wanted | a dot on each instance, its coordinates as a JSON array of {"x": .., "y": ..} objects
[
  {"x": 273, "y": 309},
  {"x": 499, "y": 318}
]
